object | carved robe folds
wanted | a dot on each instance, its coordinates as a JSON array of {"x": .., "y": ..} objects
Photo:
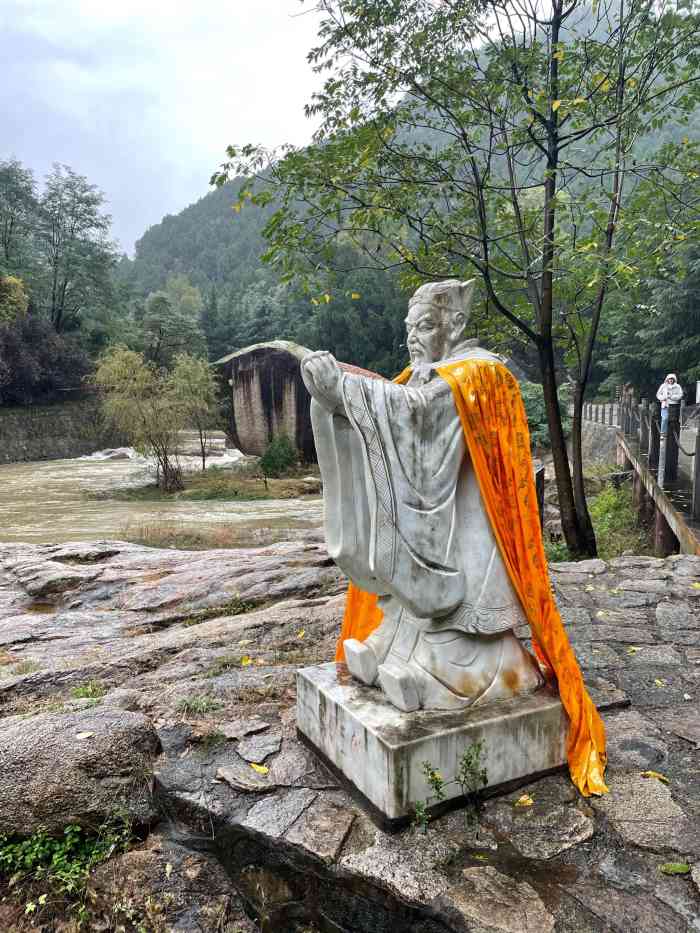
[{"x": 405, "y": 520}]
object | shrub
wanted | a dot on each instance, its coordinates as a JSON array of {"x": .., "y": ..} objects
[
  {"x": 36, "y": 362},
  {"x": 615, "y": 523},
  {"x": 280, "y": 456}
]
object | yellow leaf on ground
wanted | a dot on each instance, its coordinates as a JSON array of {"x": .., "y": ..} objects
[
  {"x": 658, "y": 682},
  {"x": 695, "y": 586},
  {"x": 261, "y": 769},
  {"x": 245, "y": 661},
  {"x": 556, "y": 104},
  {"x": 524, "y": 801},
  {"x": 657, "y": 775},
  {"x": 632, "y": 649},
  {"x": 355, "y": 296},
  {"x": 301, "y": 633}
]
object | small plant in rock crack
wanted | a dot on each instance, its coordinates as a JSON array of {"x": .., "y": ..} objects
[
  {"x": 45, "y": 870},
  {"x": 471, "y": 777},
  {"x": 199, "y": 705},
  {"x": 92, "y": 690}
]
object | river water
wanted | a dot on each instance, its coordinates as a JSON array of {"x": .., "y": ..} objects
[{"x": 49, "y": 502}]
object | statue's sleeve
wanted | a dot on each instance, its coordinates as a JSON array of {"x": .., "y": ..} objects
[{"x": 404, "y": 453}]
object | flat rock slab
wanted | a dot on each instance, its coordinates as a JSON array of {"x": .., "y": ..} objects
[
  {"x": 381, "y": 750},
  {"x": 491, "y": 901},
  {"x": 644, "y": 813}
]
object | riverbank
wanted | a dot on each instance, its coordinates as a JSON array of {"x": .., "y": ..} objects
[
  {"x": 225, "y": 485},
  {"x": 189, "y": 660},
  {"x": 60, "y": 431}
]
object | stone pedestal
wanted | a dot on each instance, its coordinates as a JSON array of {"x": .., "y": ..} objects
[{"x": 381, "y": 750}]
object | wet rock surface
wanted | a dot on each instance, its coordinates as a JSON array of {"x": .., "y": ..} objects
[{"x": 249, "y": 831}]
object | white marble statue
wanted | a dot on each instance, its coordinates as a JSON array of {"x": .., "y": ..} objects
[{"x": 404, "y": 519}]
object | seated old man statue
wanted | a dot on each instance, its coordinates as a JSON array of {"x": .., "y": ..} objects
[{"x": 430, "y": 509}]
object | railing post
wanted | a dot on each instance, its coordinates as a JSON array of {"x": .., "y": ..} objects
[
  {"x": 674, "y": 428},
  {"x": 696, "y": 479},
  {"x": 611, "y": 412},
  {"x": 654, "y": 444},
  {"x": 643, "y": 425}
]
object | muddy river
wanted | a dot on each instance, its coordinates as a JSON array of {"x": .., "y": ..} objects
[{"x": 50, "y": 501}]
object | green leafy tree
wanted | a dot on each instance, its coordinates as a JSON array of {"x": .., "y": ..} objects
[
  {"x": 13, "y": 298},
  {"x": 502, "y": 140},
  {"x": 193, "y": 386},
  {"x": 655, "y": 329},
  {"x": 74, "y": 250},
  {"x": 18, "y": 208},
  {"x": 171, "y": 321},
  {"x": 139, "y": 401}
]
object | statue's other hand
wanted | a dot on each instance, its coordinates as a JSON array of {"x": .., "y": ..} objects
[{"x": 322, "y": 375}]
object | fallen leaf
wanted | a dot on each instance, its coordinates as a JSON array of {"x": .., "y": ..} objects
[
  {"x": 524, "y": 801},
  {"x": 261, "y": 769},
  {"x": 301, "y": 633},
  {"x": 657, "y": 775},
  {"x": 695, "y": 586},
  {"x": 245, "y": 661},
  {"x": 479, "y": 857},
  {"x": 632, "y": 649},
  {"x": 556, "y": 104},
  {"x": 84, "y": 735},
  {"x": 675, "y": 868},
  {"x": 658, "y": 682}
]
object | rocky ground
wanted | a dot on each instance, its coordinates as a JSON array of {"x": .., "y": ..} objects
[{"x": 160, "y": 684}]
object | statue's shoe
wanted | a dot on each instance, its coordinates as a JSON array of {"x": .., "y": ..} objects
[
  {"x": 361, "y": 660},
  {"x": 400, "y": 685},
  {"x": 364, "y": 657}
]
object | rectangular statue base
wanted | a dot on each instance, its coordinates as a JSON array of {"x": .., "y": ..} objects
[{"x": 381, "y": 750}]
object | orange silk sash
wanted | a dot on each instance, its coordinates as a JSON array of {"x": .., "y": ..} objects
[{"x": 490, "y": 407}]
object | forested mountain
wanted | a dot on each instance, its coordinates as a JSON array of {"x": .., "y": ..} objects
[{"x": 358, "y": 314}]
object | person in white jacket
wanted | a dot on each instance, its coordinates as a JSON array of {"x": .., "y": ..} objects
[{"x": 669, "y": 393}]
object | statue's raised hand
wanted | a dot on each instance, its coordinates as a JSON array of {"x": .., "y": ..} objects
[{"x": 322, "y": 375}]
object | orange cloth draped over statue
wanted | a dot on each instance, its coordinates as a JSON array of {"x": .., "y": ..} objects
[{"x": 490, "y": 407}]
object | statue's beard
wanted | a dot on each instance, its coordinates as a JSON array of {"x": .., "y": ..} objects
[{"x": 421, "y": 355}]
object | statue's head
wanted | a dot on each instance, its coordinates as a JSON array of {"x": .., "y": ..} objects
[{"x": 437, "y": 315}]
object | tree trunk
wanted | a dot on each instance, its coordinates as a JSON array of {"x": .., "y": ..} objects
[
  {"x": 573, "y": 534},
  {"x": 203, "y": 447},
  {"x": 582, "y": 513}
]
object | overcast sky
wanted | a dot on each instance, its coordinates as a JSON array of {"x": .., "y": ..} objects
[{"x": 142, "y": 96}]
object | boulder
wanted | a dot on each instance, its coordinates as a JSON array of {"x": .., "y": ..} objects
[{"x": 84, "y": 768}]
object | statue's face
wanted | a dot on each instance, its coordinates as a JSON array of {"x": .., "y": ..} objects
[{"x": 428, "y": 332}]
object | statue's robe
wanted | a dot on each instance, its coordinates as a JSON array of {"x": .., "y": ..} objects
[{"x": 430, "y": 498}]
